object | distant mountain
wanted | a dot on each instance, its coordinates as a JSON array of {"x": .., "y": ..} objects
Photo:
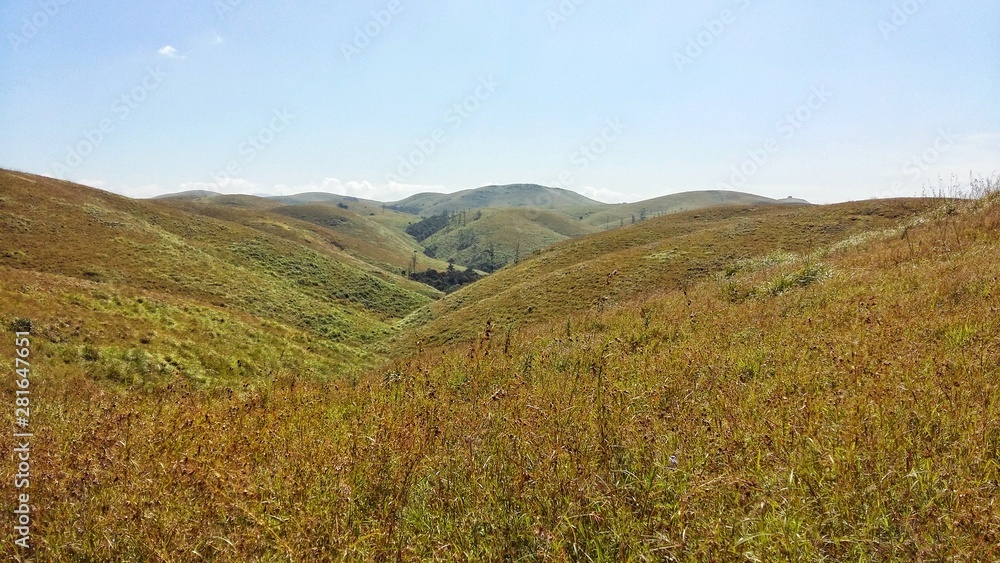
[
  {"x": 492, "y": 238},
  {"x": 627, "y": 213},
  {"x": 793, "y": 200},
  {"x": 189, "y": 194},
  {"x": 321, "y": 197},
  {"x": 512, "y": 195}
]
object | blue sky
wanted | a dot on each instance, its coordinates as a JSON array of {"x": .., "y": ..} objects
[{"x": 829, "y": 101}]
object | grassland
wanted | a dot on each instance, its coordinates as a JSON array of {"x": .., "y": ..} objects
[
  {"x": 606, "y": 269},
  {"x": 514, "y": 195},
  {"x": 79, "y": 244},
  {"x": 804, "y": 383},
  {"x": 492, "y": 238},
  {"x": 611, "y": 216}
]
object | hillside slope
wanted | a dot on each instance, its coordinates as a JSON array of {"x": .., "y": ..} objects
[
  {"x": 493, "y": 238},
  {"x": 843, "y": 406},
  {"x": 86, "y": 248},
  {"x": 513, "y": 195},
  {"x": 370, "y": 239},
  {"x": 604, "y": 269},
  {"x": 629, "y": 213}
]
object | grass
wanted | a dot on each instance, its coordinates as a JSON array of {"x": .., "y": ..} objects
[
  {"x": 853, "y": 415},
  {"x": 513, "y": 235},
  {"x": 215, "y": 262},
  {"x": 609, "y": 268}
]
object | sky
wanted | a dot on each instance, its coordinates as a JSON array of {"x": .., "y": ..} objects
[{"x": 620, "y": 101}]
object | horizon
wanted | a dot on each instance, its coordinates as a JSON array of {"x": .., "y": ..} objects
[
  {"x": 272, "y": 196},
  {"x": 384, "y": 99}
]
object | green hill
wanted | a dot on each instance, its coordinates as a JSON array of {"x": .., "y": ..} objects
[
  {"x": 608, "y": 268},
  {"x": 183, "y": 271},
  {"x": 759, "y": 383},
  {"x": 514, "y": 195},
  {"x": 606, "y": 216},
  {"x": 492, "y": 238}
]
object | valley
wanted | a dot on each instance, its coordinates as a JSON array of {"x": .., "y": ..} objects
[{"x": 253, "y": 378}]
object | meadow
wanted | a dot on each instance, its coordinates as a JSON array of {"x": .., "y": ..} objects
[{"x": 834, "y": 400}]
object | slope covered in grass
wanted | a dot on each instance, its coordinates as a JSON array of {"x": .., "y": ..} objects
[
  {"x": 371, "y": 240},
  {"x": 493, "y": 238},
  {"x": 608, "y": 268},
  {"x": 513, "y": 195},
  {"x": 66, "y": 233},
  {"x": 610, "y": 216},
  {"x": 785, "y": 404}
]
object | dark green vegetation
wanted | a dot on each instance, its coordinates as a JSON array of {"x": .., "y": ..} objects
[
  {"x": 737, "y": 383},
  {"x": 515, "y": 195},
  {"x": 484, "y": 229},
  {"x": 447, "y": 281}
]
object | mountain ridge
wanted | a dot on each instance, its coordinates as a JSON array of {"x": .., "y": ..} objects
[{"x": 497, "y": 195}]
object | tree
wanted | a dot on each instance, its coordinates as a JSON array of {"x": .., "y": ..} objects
[{"x": 413, "y": 265}]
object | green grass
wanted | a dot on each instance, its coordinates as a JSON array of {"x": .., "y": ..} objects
[
  {"x": 609, "y": 268},
  {"x": 211, "y": 261},
  {"x": 512, "y": 234},
  {"x": 846, "y": 410}
]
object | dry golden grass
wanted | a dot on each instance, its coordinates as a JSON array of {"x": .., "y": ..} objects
[
  {"x": 228, "y": 262},
  {"x": 840, "y": 403},
  {"x": 606, "y": 269}
]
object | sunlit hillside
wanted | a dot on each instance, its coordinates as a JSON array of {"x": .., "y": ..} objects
[
  {"x": 606, "y": 269},
  {"x": 740, "y": 383},
  {"x": 141, "y": 265}
]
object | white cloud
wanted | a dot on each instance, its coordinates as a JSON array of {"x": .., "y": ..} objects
[
  {"x": 170, "y": 52},
  {"x": 360, "y": 189},
  {"x": 605, "y": 195}
]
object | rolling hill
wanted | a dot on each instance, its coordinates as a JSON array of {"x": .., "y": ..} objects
[
  {"x": 514, "y": 195},
  {"x": 230, "y": 270},
  {"x": 734, "y": 383},
  {"x": 492, "y": 238},
  {"x": 608, "y": 268},
  {"x": 628, "y": 213},
  {"x": 495, "y": 225}
]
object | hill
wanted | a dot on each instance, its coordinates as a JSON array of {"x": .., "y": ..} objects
[
  {"x": 608, "y": 268},
  {"x": 630, "y": 213},
  {"x": 804, "y": 383},
  {"x": 163, "y": 274},
  {"x": 485, "y": 228},
  {"x": 189, "y": 194},
  {"x": 492, "y": 238},
  {"x": 514, "y": 195}
]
